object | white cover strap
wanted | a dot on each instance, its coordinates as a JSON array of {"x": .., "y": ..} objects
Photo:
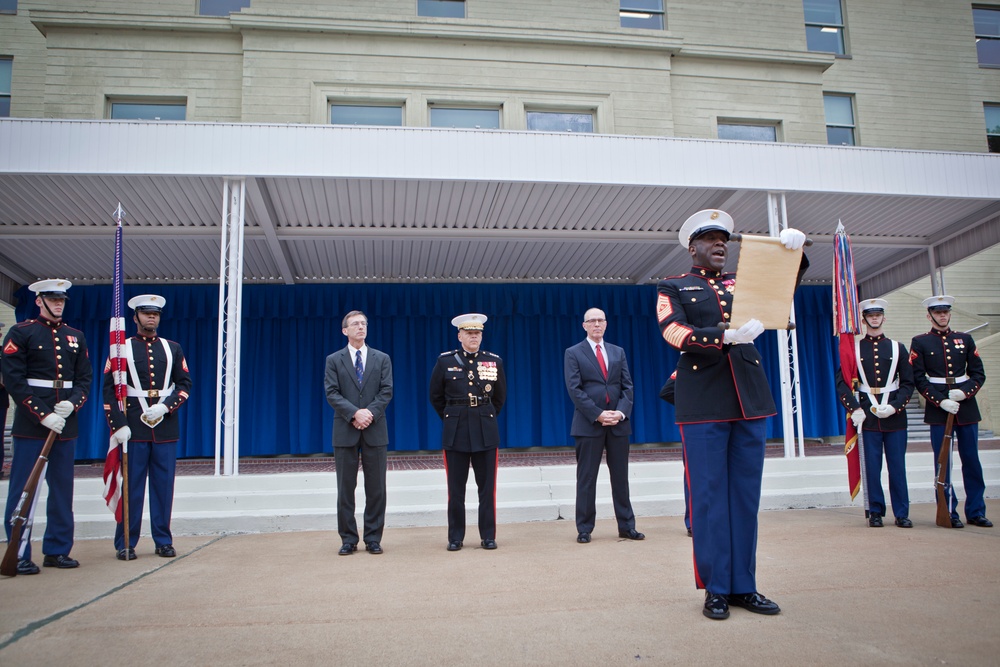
[
  {"x": 883, "y": 400},
  {"x": 134, "y": 388}
]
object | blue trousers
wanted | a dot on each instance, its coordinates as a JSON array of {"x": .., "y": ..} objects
[
  {"x": 157, "y": 462},
  {"x": 58, "y": 538},
  {"x": 893, "y": 443},
  {"x": 725, "y": 463},
  {"x": 966, "y": 438}
]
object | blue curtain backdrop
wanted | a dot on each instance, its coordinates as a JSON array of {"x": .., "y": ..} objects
[{"x": 288, "y": 331}]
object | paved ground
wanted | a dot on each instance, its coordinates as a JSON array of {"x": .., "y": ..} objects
[{"x": 850, "y": 595}]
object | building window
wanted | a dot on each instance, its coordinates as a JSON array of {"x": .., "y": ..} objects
[
  {"x": 452, "y": 9},
  {"x": 221, "y": 7},
  {"x": 993, "y": 126},
  {"x": 641, "y": 14},
  {"x": 6, "y": 65},
  {"x": 8, "y": 6},
  {"x": 747, "y": 132},
  {"x": 824, "y": 25},
  {"x": 987, "y": 22},
  {"x": 148, "y": 110},
  {"x": 560, "y": 121},
  {"x": 839, "y": 119},
  {"x": 356, "y": 114},
  {"x": 485, "y": 119}
]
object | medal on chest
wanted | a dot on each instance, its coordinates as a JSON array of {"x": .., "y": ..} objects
[{"x": 487, "y": 370}]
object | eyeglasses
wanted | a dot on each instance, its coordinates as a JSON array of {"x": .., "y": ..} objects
[{"x": 594, "y": 321}]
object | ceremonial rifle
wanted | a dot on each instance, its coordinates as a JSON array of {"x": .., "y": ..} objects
[
  {"x": 943, "y": 488},
  {"x": 19, "y": 519}
]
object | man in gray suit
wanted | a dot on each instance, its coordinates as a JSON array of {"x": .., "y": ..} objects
[
  {"x": 600, "y": 387},
  {"x": 359, "y": 387}
]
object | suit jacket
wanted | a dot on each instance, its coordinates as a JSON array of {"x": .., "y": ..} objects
[
  {"x": 346, "y": 396},
  {"x": 590, "y": 392}
]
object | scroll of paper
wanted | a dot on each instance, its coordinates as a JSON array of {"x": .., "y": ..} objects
[{"x": 765, "y": 282}]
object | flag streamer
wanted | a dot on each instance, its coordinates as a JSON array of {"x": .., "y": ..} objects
[
  {"x": 847, "y": 324},
  {"x": 116, "y": 360}
]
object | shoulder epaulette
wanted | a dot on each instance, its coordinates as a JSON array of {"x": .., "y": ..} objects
[{"x": 448, "y": 353}]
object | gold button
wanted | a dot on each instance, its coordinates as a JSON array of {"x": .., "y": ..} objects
[
  {"x": 726, "y": 315},
  {"x": 695, "y": 367},
  {"x": 58, "y": 348},
  {"x": 716, "y": 340},
  {"x": 704, "y": 339},
  {"x": 711, "y": 281},
  {"x": 722, "y": 303},
  {"x": 693, "y": 299}
]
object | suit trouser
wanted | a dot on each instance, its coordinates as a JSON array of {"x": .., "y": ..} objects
[
  {"x": 58, "y": 538},
  {"x": 373, "y": 463},
  {"x": 967, "y": 438},
  {"x": 725, "y": 463},
  {"x": 156, "y": 462},
  {"x": 894, "y": 445},
  {"x": 484, "y": 466},
  {"x": 589, "y": 451}
]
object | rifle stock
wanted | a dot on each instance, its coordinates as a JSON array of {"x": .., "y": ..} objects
[
  {"x": 8, "y": 567},
  {"x": 943, "y": 511}
]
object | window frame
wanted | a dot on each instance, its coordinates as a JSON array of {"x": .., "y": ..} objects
[
  {"x": 451, "y": 106},
  {"x": 749, "y": 122},
  {"x": 853, "y": 126},
  {"x": 660, "y": 14},
  {"x": 8, "y": 10},
  {"x": 574, "y": 112},
  {"x": 370, "y": 104},
  {"x": 992, "y": 138},
  {"x": 172, "y": 102},
  {"x": 8, "y": 94},
  {"x": 981, "y": 36},
  {"x": 442, "y": 3},
  {"x": 243, "y": 4},
  {"x": 840, "y": 28}
]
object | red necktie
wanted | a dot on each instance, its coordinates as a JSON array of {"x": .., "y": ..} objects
[{"x": 604, "y": 370}]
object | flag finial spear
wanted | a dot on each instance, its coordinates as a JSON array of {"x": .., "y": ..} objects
[
  {"x": 119, "y": 213},
  {"x": 840, "y": 225}
]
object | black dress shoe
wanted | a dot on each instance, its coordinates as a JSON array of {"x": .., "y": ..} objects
[
  {"x": 25, "y": 566},
  {"x": 489, "y": 544},
  {"x": 373, "y": 548},
  {"x": 957, "y": 523},
  {"x": 61, "y": 561},
  {"x": 126, "y": 555},
  {"x": 981, "y": 521},
  {"x": 347, "y": 549},
  {"x": 583, "y": 538},
  {"x": 903, "y": 522},
  {"x": 454, "y": 546},
  {"x": 166, "y": 551},
  {"x": 875, "y": 520},
  {"x": 689, "y": 532},
  {"x": 631, "y": 534},
  {"x": 716, "y": 607},
  {"x": 755, "y": 602}
]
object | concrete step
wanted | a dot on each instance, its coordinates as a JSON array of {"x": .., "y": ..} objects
[{"x": 307, "y": 501}]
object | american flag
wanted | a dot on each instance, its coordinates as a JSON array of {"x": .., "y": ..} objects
[
  {"x": 847, "y": 321},
  {"x": 116, "y": 359}
]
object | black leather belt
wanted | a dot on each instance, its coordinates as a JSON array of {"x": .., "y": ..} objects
[{"x": 471, "y": 401}]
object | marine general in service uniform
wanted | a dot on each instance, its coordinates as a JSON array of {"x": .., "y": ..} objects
[
  {"x": 468, "y": 388},
  {"x": 47, "y": 372}
]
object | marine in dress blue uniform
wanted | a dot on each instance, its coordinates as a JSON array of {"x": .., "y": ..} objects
[
  {"x": 949, "y": 373},
  {"x": 468, "y": 388},
  {"x": 47, "y": 373},
  {"x": 721, "y": 400},
  {"x": 158, "y": 384},
  {"x": 880, "y": 412}
]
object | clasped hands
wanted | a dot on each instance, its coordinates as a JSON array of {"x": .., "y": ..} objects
[
  {"x": 950, "y": 404},
  {"x": 363, "y": 418},
  {"x": 610, "y": 418}
]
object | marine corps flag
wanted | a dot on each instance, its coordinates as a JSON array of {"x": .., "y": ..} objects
[
  {"x": 116, "y": 361},
  {"x": 846, "y": 322}
]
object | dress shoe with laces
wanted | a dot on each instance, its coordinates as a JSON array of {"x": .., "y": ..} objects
[
  {"x": 755, "y": 602},
  {"x": 126, "y": 554},
  {"x": 373, "y": 548},
  {"x": 25, "y": 566},
  {"x": 875, "y": 520},
  {"x": 716, "y": 607},
  {"x": 61, "y": 561},
  {"x": 981, "y": 521},
  {"x": 454, "y": 546},
  {"x": 166, "y": 551},
  {"x": 583, "y": 538},
  {"x": 347, "y": 549},
  {"x": 631, "y": 534},
  {"x": 903, "y": 522},
  {"x": 957, "y": 523},
  {"x": 689, "y": 532},
  {"x": 489, "y": 544}
]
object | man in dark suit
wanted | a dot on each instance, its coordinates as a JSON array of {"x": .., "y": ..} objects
[
  {"x": 359, "y": 387},
  {"x": 600, "y": 387}
]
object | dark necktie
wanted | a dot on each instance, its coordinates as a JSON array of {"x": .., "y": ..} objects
[
  {"x": 604, "y": 370},
  {"x": 359, "y": 370}
]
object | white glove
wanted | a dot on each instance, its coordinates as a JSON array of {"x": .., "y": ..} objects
[
  {"x": 884, "y": 411},
  {"x": 155, "y": 411},
  {"x": 792, "y": 239},
  {"x": 56, "y": 423},
  {"x": 858, "y": 417},
  {"x": 957, "y": 395},
  {"x": 745, "y": 334},
  {"x": 63, "y": 409},
  {"x": 949, "y": 405},
  {"x": 121, "y": 436}
]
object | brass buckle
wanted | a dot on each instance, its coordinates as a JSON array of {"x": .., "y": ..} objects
[
  {"x": 473, "y": 401},
  {"x": 57, "y": 384},
  {"x": 949, "y": 382},
  {"x": 876, "y": 391},
  {"x": 153, "y": 393}
]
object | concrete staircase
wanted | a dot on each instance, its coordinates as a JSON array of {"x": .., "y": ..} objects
[{"x": 307, "y": 501}]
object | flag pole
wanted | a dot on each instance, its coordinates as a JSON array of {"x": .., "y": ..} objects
[{"x": 120, "y": 395}]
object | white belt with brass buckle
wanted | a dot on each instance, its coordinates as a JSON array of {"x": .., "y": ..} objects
[
  {"x": 876, "y": 391},
  {"x": 958, "y": 380},
  {"x": 152, "y": 393},
  {"x": 50, "y": 384}
]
